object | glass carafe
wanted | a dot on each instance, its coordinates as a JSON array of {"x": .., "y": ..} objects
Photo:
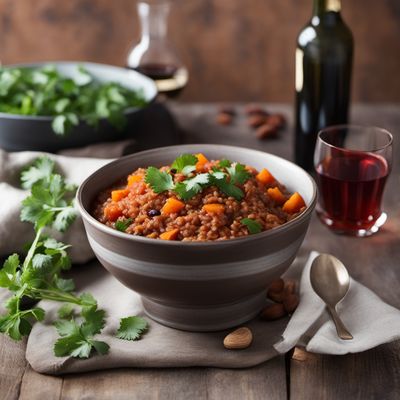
[{"x": 154, "y": 55}]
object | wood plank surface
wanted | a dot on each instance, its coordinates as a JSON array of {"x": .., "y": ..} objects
[
  {"x": 374, "y": 374},
  {"x": 12, "y": 367},
  {"x": 234, "y": 49}
]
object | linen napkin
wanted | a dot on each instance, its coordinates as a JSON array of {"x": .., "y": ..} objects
[
  {"x": 14, "y": 234},
  {"x": 369, "y": 319}
]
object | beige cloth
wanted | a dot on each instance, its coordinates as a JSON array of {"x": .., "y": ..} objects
[
  {"x": 75, "y": 169},
  {"x": 369, "y": 319}
]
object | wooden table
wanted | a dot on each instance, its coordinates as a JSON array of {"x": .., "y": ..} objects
[{"x": 374, "y": 261}]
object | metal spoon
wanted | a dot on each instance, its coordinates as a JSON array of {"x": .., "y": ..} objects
[{"x": 331, "y": 281}]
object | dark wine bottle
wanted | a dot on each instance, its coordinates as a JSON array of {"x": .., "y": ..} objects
[{"x": 324, "y": 58}]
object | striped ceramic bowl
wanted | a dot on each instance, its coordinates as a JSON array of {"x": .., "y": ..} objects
[{"x": 198, "y": 286}]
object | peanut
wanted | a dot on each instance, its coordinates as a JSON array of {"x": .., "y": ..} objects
[
  {"x": 277, "y": 285},
  {"x": 276, "y": 120},
  {"x": 273, "y": 312},
  {"x": 290, "y": 287},
  {"x": 266, "y": 130},
  {"x": 224, "y": 118},
  {"x": 290, "y": 303},
  {"x": 276, "y": 296},
  {"x": 255, "y": 120}
]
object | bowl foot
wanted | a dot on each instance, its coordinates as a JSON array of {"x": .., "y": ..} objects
[{"x": 204, "y": 318}]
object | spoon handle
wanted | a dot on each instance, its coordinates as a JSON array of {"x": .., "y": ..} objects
[{"x": 341, "y": 330}]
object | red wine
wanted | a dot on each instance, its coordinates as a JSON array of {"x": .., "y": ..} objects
[
  {"x": 324, "y": 57},
  {"x": 170, "y": 79},
  {"x": 351, "y": 187}
]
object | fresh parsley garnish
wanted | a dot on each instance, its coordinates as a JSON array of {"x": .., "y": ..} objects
[
  {"x": 226, "y": 176},
  {"x": 77, "y": 339},
  {"x": 252, "y": 225},
  {"x": 185, "y": 164},
  {"x": 46, "y": 91},
  {"x": 238, "y": 173},
  {"x": 224, "y": 163},
  {"x": 42, "y": 168},
  {"x": 122, "y": 224},
  {"x": 39, "y": 275},
  {"x": 220, "y": 180},
  {"x": 190, "y": 187},
  {"x": 51, "y": 200},
  {"x": 159, "y": 181},
  {"x": 131, "y": 328}
]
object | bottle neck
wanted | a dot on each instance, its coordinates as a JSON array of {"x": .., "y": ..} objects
[
  {"x": 322, "y": 7},
  {"x": 153, "y": 19}
]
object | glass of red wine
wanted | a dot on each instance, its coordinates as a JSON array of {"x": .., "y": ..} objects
[{"x": 352, "y": 165}]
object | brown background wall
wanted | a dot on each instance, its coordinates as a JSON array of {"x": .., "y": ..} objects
[{"x": 235, "y": 49}]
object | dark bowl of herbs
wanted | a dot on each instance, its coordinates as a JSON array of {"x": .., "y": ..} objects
[{"x": 59, "y": 105}]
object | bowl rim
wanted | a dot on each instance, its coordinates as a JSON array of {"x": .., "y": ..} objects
[
  {"x": 221, "y": 243},
  {"x": 38, "y": 64}
]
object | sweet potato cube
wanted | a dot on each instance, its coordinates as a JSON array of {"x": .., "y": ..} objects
[
  {"x": 294, "y": 204},
  {"x": 170, "y": 235},
  {"x": 172, "y": 206},
  {"x": 276, "y": 195},
  {"x": 117, "y": 195},
  {"x": 134, "y": 179},
  {"x": 265, "y": 177},
  {"x": 112, "y": 212},
  {"x": 201, "y": 161},
  {"x": 214, "y": 208}
]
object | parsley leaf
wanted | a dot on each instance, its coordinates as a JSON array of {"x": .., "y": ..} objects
[
  {"x": 131, "y": 328},
  {"x": 47, "y": 204},
  {"x": 9, "y": 278},
  {"x": 42, "y": 168},
  {"x": 190, "y": 187},
  {"x": 122, "y": 224},
  {"x": 65, "y": 311},
  {"x": 185, "y": 163},
  {"x": 224, "y": 163},
  {"x": 159, "y": 181},
  {"x": 238, "y": 173},
  {"x": 220, "y": 180},
  {"x": 77, "y": 340},
  {"x": 252, "y": 225}
]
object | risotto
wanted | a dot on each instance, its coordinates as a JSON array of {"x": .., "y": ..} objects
[{"x": 196, "y": 199}]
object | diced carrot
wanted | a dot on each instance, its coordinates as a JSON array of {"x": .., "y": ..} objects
[
  {"x": 265, "y": 177},
  {"x": 172, "y": 206},
  {"x": 214, "y": 208},
  {"x": 112, "y": 212},
  {"x": 170, "y": 235},
  {"x": 134, "y": 179},
  {"x": 276, "y": 195},
  {"x": 117, "y": 195},
  {"x": 201, "y": 161},
  {"x": 294, "y": 204}
]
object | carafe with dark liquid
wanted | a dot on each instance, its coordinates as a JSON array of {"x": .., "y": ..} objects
[
  {"x": 154, "y": 56},
  {"x": 324, "y": 58}
]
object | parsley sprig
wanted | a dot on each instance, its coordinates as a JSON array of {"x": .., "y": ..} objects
[
  {"x": 227, "y": 176},
  {"x": 39, "y": 275}
]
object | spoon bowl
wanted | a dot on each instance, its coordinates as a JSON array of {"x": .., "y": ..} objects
[{"x": 331, "y": 281}]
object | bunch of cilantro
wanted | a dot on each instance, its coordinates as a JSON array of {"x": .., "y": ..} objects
[
  {"x": 45, "y": 91},
  {"x": 38, "y": 276}
]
